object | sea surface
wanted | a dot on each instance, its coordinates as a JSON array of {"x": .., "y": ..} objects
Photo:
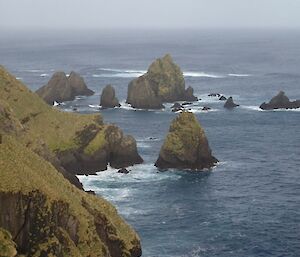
[{"x": 249, "y": 204}]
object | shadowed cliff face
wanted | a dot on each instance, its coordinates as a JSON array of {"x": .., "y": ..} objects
[
  {"x": 47, "y": 215},
  {"x": 163, "y": 82},
  {"x": 186, "y": 146}
]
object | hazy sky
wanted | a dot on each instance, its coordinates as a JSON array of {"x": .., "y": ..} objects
[{"x": 150, "y": 14}]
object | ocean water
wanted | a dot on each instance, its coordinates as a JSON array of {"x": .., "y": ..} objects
[{"x": 249, "y": 204}]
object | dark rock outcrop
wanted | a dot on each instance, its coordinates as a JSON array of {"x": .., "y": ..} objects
[
  {"x": 108, "y": 98},
  {"x": 186, "y": 103},
  {"x": 62, "y": 88},
  {"x": 280, "y": 101},
  {"x": 230, "y": 104},
  {"x": 163, "y": 82},
  {"x": 177, "y": 107},
  {"x": 189, "y": 95},
  {"x": 206, "y": 108},
  {"x": 123, "y": 170},
  {"x": 186, "y": 146},
  {"x": 222, "y": 98},
  {"x": 214, "y": 95}
]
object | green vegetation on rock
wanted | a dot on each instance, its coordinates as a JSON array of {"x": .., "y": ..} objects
[
  {"x": 163, "y": 82},
  {"x": 7, "y": 245},
  {"x": 71, "y": 137},
  {"x": 45, "y": 214},
  {"x": 98, "y": 142},
  {"x": 28, "y": 178},
  {"x": 186, "y": 145}
]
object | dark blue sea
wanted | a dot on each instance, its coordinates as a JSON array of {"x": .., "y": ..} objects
[{"x": 249, "y": 205}]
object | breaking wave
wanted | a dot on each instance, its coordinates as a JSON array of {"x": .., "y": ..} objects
[{"x": 126, "y": 73}]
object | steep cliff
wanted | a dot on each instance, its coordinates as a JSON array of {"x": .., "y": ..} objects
[{"x": 48, "y": 216}]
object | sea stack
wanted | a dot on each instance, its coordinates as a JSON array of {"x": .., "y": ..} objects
[
  {"x": 186, "y": 146},
  {"x": 108, "y": 98},
  {"x": 163, "y": 82},
  {"x": 280, "y": 101},
  {"x": 62, "y": 88},
  {"x": 230, "y": 104}
]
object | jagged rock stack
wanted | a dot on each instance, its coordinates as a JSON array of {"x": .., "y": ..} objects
[
  {"x": 108, "y": 98},
  {"x": 280, "y": 101},
  {"x": 163, "y": 82},
  {"x": 62, "y": 88},
  {"x": 186, "y": 146},
  {"x": 230, "y": 104}
]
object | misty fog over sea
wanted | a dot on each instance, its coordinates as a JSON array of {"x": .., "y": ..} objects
[{"x": 249, "y": 204}]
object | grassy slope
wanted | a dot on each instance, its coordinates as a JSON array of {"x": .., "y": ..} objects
[
  {"x": 21, "y": 170},
  {"x": 18, "y": 162},
  {"x": 56, "y": 128}
]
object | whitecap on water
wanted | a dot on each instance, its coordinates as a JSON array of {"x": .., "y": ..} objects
[
  {"x": 238, "y": 75},
  {"x": 34, "y": 70},
  {"x": 44, "y": 75},
  {"x": 94, "y": 106},
  {"x": 137, "y": 174},
  {"x": 202, "y": 75},
  {"x": 252, "y": 108}
]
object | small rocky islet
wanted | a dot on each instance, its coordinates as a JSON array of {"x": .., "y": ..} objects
[
  {"x": 162, "y": 83},
  {"x": 280, "y": 101},
  {"x": 62, "y": 88},
  {"x": 185, "y": 146},
  {"x": 229, "y": 104},
  {"x": 108, "y": 98}
]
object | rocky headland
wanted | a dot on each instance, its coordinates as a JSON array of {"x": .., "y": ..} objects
[
  {"x": 163, "y": 82},
  {"x": 62, "y": 88},
  {"x": 185, "y": 146},
  {"x": 41, "y": 212}
]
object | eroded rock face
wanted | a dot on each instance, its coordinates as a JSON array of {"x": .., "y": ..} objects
[
  {"x": 230, "y": 104},
  {"x": 163, "y": 82},
  {"x": 108, "y": 98},
  {"x": 62, "y": 88},
  {"x": 100, "y": 147},
  {"x": 47, "y": 216},
  {"x": 280, "y": 101},
  {"x": 186, "y": 146},
  {"x": 142, "y": 96}
]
